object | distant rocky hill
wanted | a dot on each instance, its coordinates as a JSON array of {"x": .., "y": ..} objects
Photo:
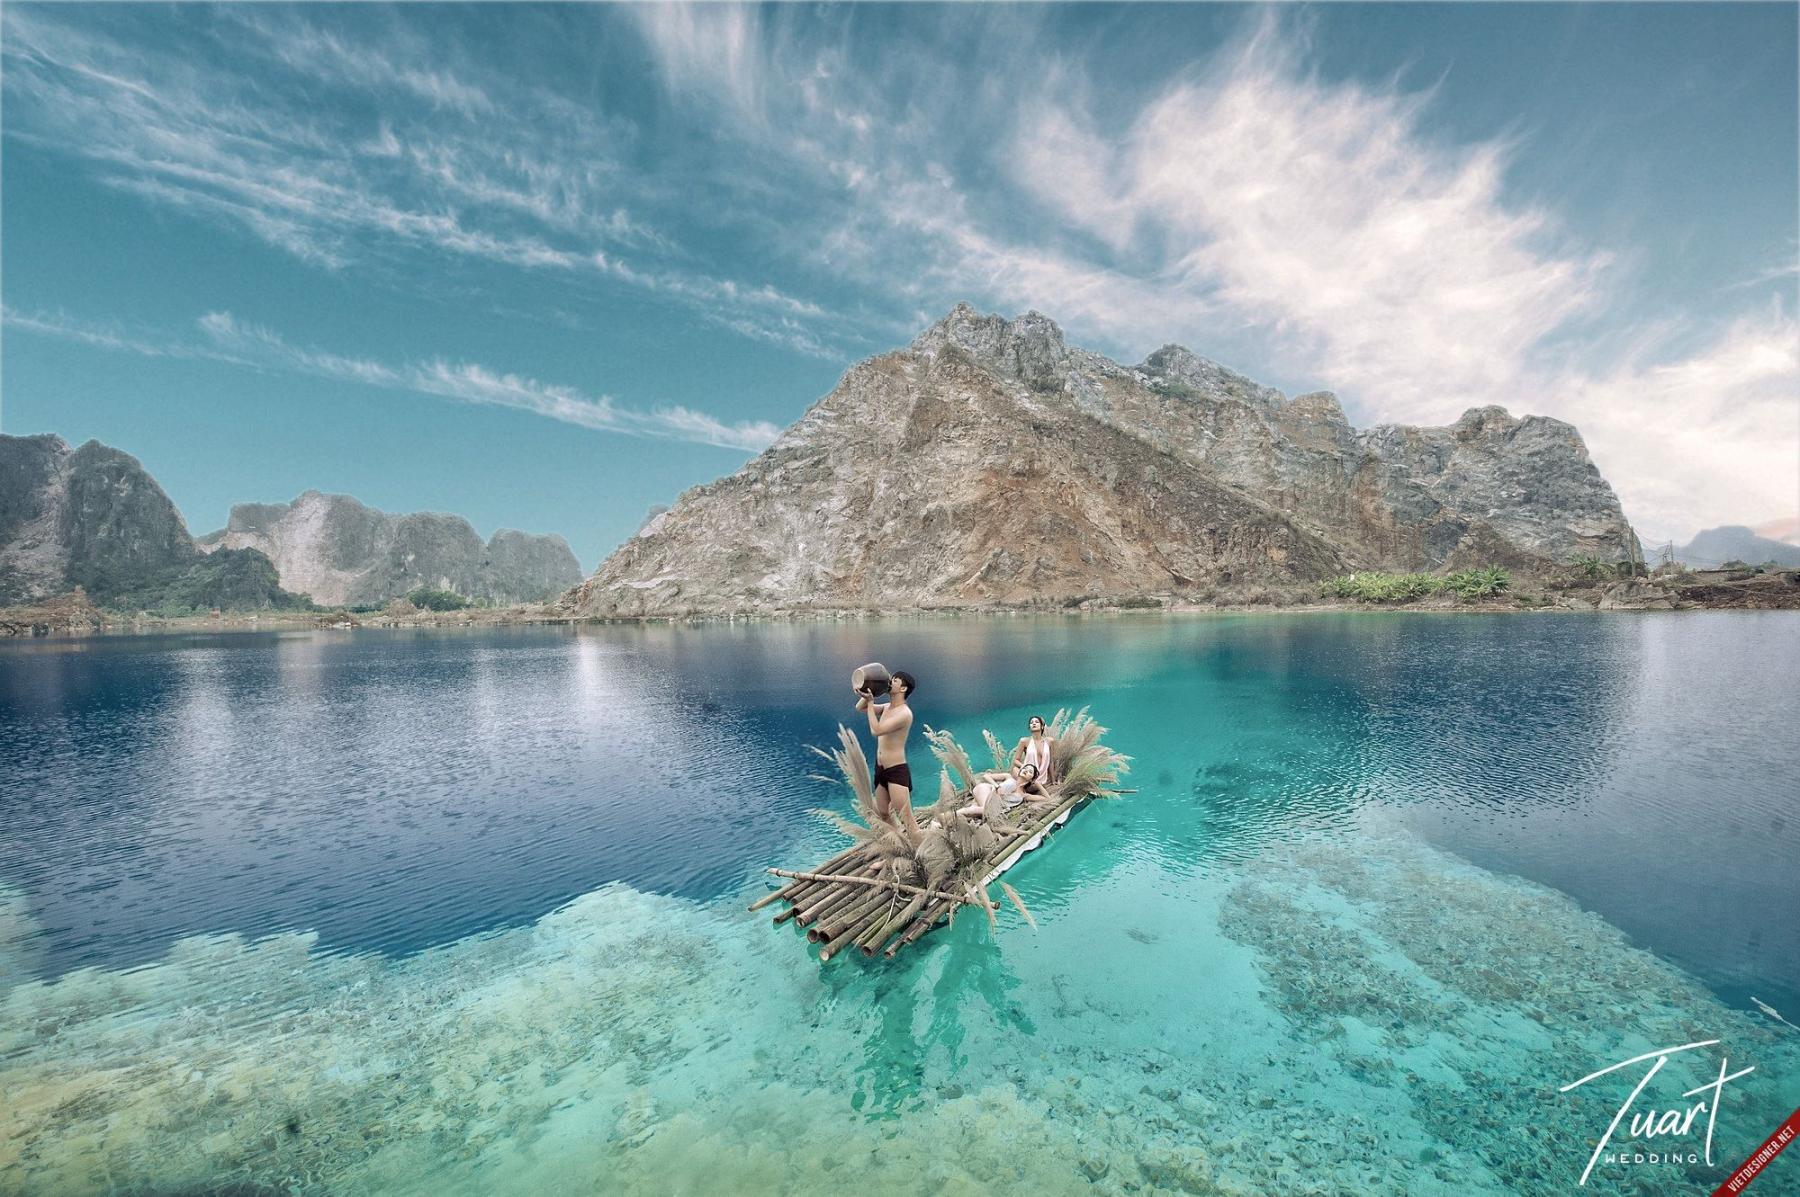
[
  {"x": 1715, "y": 546},
  {"x": 92, "y": 517},
  {"x": 343, "y": 553},
  {"x": 990, "y": 462}
]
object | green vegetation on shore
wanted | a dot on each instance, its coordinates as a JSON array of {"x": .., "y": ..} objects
[
  {"x": 1376, "y": 587},
  {"x": 227, "y": 580},
  {"x": 438, "y": 600}
]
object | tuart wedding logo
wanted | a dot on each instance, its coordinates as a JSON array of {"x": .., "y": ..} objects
[{"x": 1666, "y": 1136}]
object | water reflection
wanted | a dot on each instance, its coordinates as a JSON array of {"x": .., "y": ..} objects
[{"x": 396, "y": 790}]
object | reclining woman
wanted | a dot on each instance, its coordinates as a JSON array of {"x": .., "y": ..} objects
[{"x": 1010, "y": 789}]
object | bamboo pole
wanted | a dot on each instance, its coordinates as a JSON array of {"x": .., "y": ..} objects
[
  {"x": 847, "y": 937},
  {"x": 826, "y": 899},
  {"x": 786, "y": 891},
  {"x": 878, "y": 927},
  {"x": 846, "y": 932},
  {"x": 810, "y": 895},
  {"x": 841, "y": 895},
  {"x": 894, "y": 926},
  {"x": 789, "y": 890},
  {"x": 875, "y": 922},
  {"x": 925, "y": 922},
  {"x": 851, "y": 927},
  {"x": 798, "y": 892},
  {"x": 899, "y": 885},
  {"x": 846, "y": 896},
  {"x": 851, "y": 915},
  {"x": 1010, "y": 853},
  {"x": 828, "y": 893}
]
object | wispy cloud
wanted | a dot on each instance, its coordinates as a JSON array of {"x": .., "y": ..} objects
[
  {"x": 101, "y": 336},
  {"x": 225, "y": 338},
  {"x": 311, "y": 50},
  {"x": 711, "y": 50},
  {"x": 516, "y": 177},
  {"x": 469, "y": 382}
]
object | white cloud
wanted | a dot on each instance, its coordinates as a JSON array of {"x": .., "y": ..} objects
[
  {"x": 711, "y": 50},
  {"x": 309, "y": 49},
  {"x": 1390, "y": 267},
  {"x": 225, "y": 338},
  {"x": 1708, "y": 439},
  {"x": 101, "y": 336}
]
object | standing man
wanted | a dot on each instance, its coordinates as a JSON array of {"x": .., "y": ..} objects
[{"x": 893, "y": 779}]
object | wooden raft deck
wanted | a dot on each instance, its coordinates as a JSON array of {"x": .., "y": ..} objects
[{"x": 847, "y": 902}]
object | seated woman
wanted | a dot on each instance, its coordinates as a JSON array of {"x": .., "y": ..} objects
[
  {"x": 1034, "y": 749},
  {"x": 1011, "y": 789}
]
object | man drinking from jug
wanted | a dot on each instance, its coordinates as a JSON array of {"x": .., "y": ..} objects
[{"x": 893, "y": 779}]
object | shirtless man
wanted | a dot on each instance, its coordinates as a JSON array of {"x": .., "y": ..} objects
[{"x": 893, "y": 780}]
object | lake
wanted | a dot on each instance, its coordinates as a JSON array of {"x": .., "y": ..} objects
[{"x": 464, "y": 911}]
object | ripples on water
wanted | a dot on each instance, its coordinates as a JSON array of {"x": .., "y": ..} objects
[{"x": 1267, "y": 920}]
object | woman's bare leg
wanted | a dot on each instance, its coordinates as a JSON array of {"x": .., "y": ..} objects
[{"x": 977, "y": 800}]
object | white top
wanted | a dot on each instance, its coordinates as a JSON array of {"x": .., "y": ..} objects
[{"x": 1038, "y": 754}]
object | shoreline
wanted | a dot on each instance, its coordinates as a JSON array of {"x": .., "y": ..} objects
[{"x": 71, "y": 617}]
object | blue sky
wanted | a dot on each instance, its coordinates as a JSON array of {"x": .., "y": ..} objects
[{"x": 546, "y": 266}]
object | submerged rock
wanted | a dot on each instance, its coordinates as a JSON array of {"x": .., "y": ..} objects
[{"x": 1366, "y": 1016}]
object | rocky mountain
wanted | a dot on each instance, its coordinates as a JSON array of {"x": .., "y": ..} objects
[
  {"x": 93, "y": 517},
  {"x": 989, "y": 461},
  {"x": 343, "y": 553},
  {"x": 1715, "y": 546}
]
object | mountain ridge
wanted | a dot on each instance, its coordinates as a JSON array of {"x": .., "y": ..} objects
[
  {"x": 1735, "y": 542},
  {"x": 989, "y": 461},
  {"x": 346, "y": 553},
  {"x": 93, "y": 518}
]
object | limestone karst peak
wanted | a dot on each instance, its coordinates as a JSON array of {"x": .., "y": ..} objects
[
  {"x": 990, "y": 461},
  {"x": 1029, "y": 347},
  {"x": 1183, "y": 371}
]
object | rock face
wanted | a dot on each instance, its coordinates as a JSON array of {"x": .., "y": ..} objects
[
  {"x": 1715, "y": 546},
  {"x": 991, "y": 462},
  {"x": 343, "y": 553},
  {"x": 89, "y": 517},
  {"x": 93, "y": 517}
]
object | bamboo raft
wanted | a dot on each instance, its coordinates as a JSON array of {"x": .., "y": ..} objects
[{"x": 866, "y": 898}]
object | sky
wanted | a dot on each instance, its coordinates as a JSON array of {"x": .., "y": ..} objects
[{"x": 546, "y": 266}]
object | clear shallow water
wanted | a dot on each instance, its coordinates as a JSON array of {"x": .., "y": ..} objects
[{"x": 464, "y": 912}]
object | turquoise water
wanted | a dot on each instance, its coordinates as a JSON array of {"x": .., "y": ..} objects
[{"x": 464, "y": 912}]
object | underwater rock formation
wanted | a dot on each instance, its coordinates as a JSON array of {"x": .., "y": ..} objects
[{"x": 1364, "y": 1016}]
